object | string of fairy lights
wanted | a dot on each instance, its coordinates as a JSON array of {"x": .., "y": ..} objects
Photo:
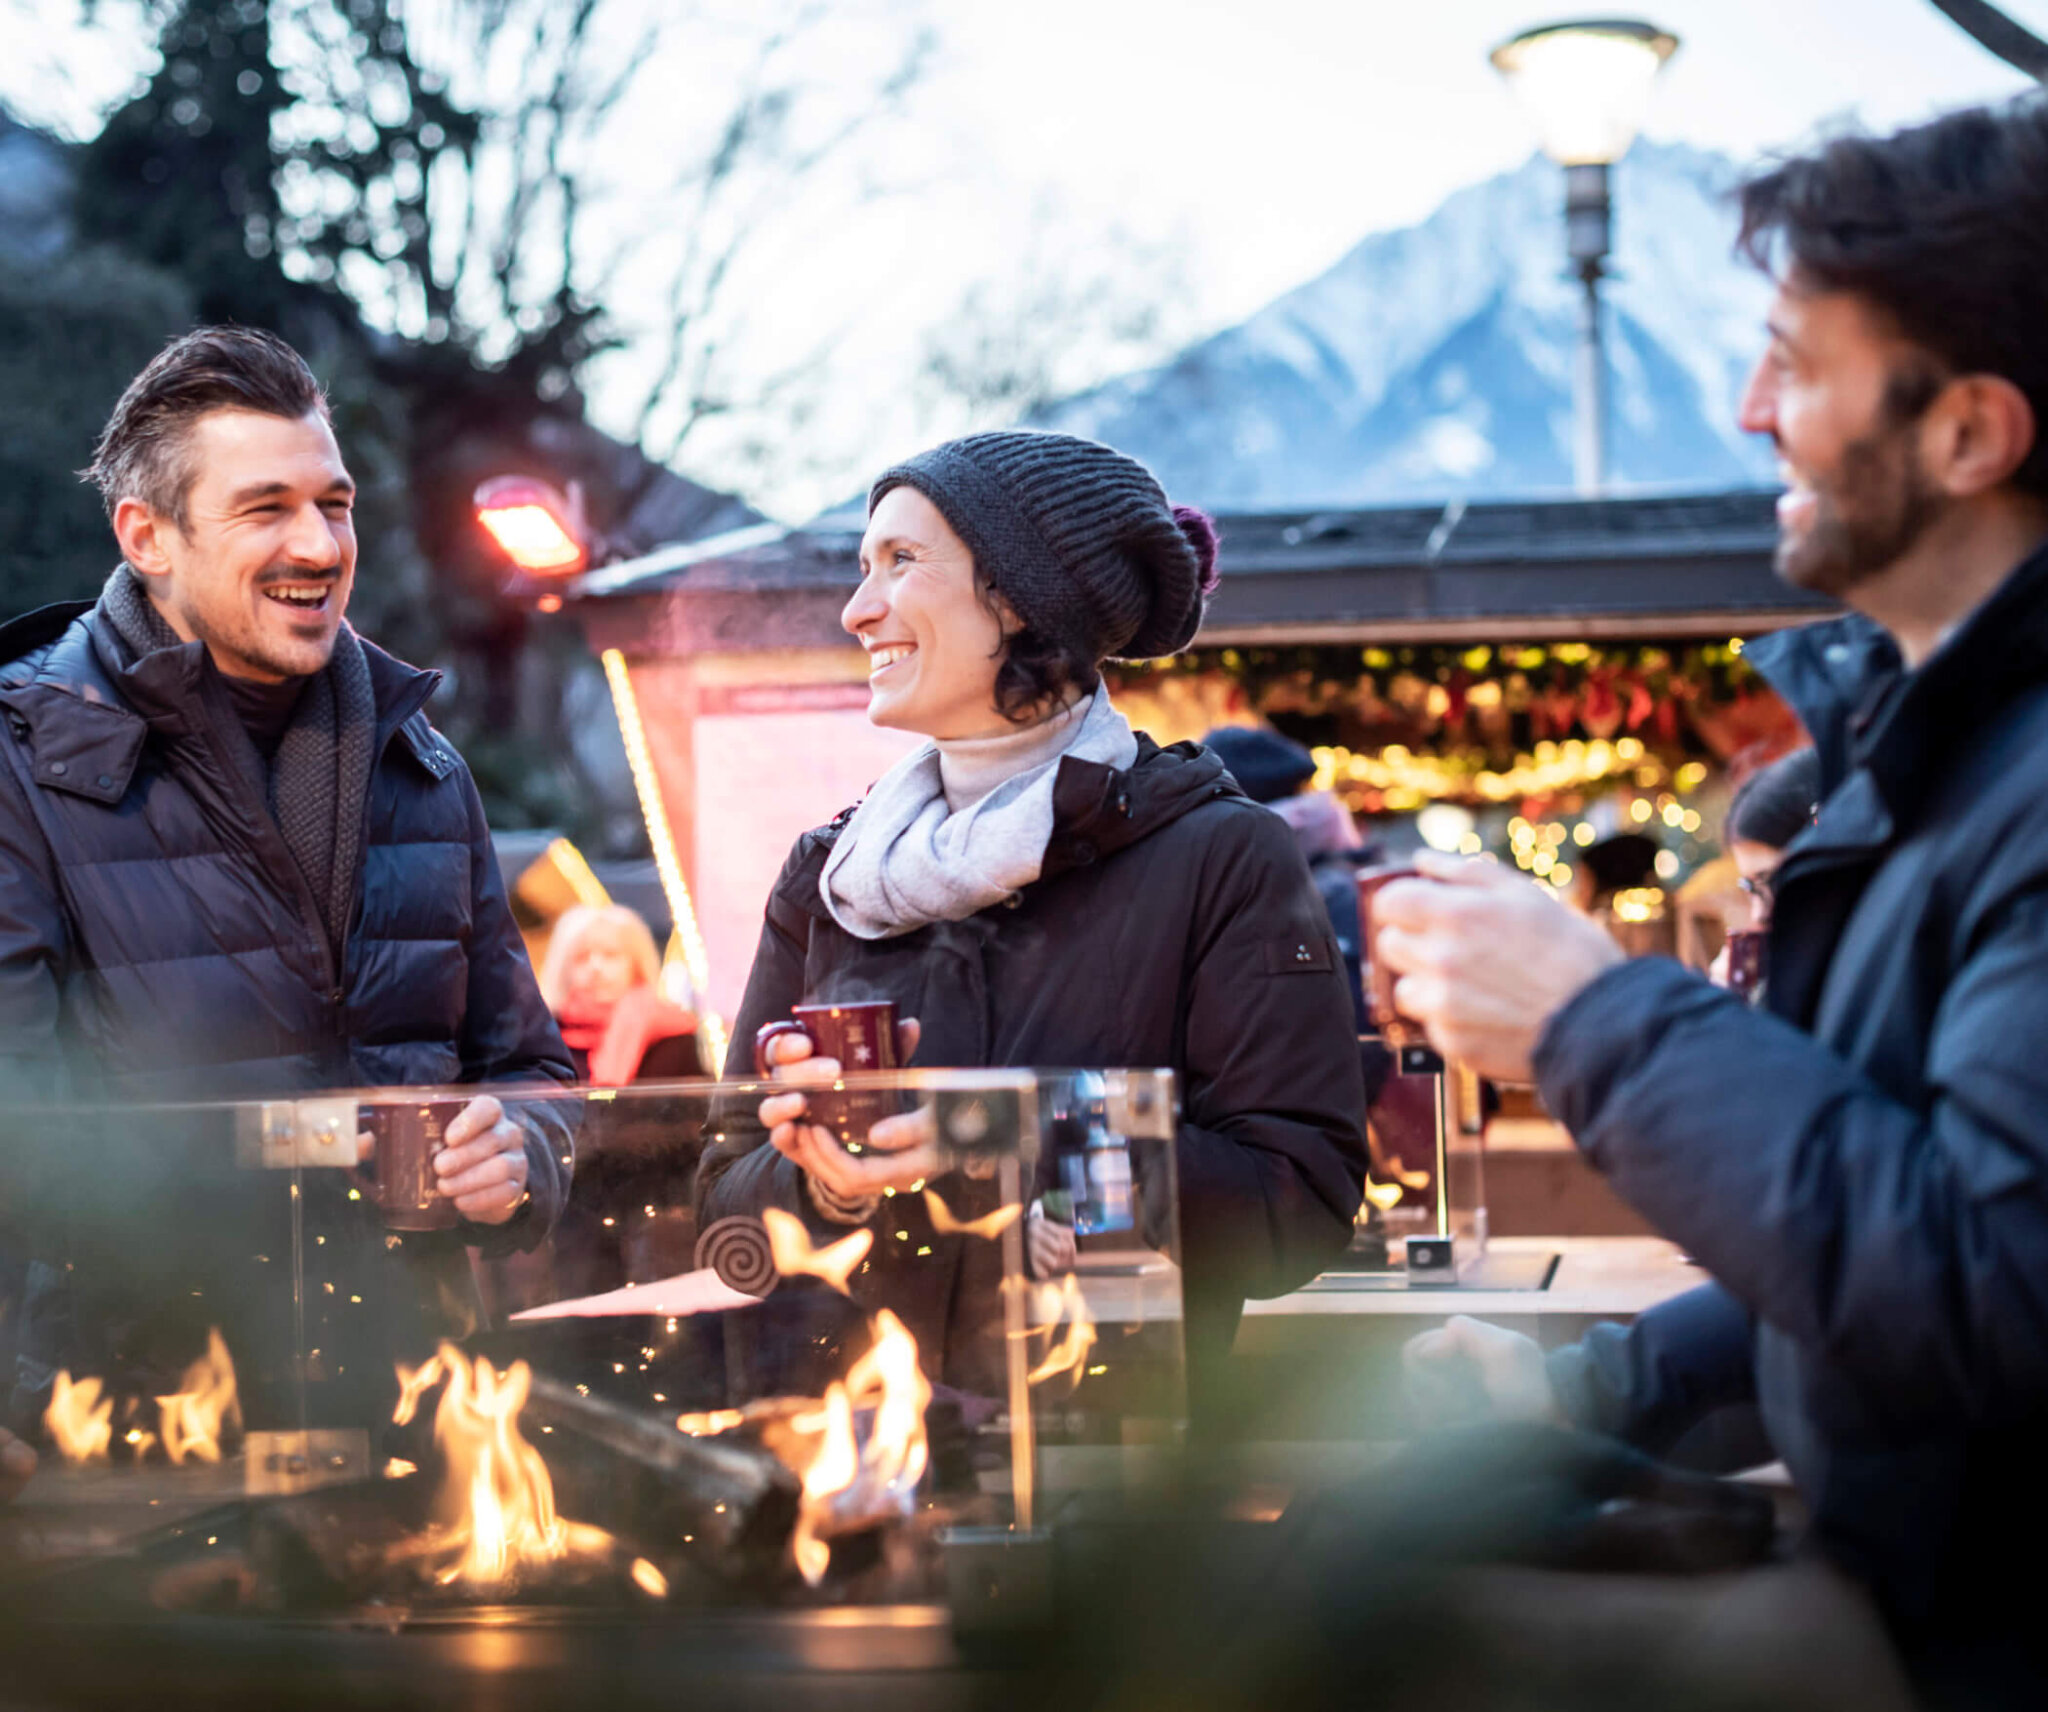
[
  {"x": 667, "y": 864},
  {"x": 1531, "y": 752}
]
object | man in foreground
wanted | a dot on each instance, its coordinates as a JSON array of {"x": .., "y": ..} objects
[
  {"x": 235, "y": 859},
  {"x": 1865, "y": 1169}
]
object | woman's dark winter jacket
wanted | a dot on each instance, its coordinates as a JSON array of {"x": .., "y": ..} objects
[
  {"x": 1174, "y": 925},
  {"x": 158, "y": 942},
  {"x": 1866, "y": 1170}
]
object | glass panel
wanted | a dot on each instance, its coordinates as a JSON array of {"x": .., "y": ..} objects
[{"x": 708, "y": 1387}]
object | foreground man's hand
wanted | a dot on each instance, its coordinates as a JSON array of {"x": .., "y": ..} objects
[
  {"x": 17, "y": 1463},
  {"x": 1485, "y": 958},
  {"x": 482, "y": 1163},
  {"x": 1467, "y": 1370},
  {"x": 902, "y": 1151}
]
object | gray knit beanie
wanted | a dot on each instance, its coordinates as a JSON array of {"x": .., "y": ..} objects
[{"x": 1077, "y": 537}]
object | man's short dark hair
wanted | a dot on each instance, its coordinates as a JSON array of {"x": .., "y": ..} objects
[
  {"x": 144, "y": 450},
  {"x": 1942, "y": 227}
]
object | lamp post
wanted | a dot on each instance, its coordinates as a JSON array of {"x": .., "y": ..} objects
[{"x": 1586, "y": 85}]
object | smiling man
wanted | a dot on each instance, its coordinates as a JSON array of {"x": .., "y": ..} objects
[
  {"x": 1865, "y": 1171},
  {"x": 235, "y": 858}
]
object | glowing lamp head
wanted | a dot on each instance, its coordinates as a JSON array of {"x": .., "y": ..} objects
[
  {"x": 534, "y": 525},
  {"x": 1586, "y": 85}
]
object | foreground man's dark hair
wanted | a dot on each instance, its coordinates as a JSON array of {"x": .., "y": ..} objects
[
  {"x": 143, "y": 453},
  {"x": 1943, "y": 227}
]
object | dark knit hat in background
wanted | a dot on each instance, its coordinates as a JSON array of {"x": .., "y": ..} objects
[
  {"x": 1077, "y": 537},
  {"x": 1266, "y": 766},
  {"x": 1776, "y": 803}
]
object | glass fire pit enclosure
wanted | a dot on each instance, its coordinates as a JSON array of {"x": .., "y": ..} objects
[{"x": 268, "y": 1381}]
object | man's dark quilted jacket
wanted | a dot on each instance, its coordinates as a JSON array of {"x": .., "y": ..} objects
[{"x": 158, "y": 943}]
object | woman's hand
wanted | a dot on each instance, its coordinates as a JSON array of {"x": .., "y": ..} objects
[{"x": 902, "y": 1151}]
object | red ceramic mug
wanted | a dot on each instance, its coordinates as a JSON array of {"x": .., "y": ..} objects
[
  {"x": 1748, "y": 949},
  {"x": 401, "y": 1182},
  {"x": 1398, "y": 1031},
  {"x": 862, "y": 1037}
]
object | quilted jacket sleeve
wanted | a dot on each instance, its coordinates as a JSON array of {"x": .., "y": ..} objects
[
  {"x": 33, "y": 948},
  {"x": 509, "y": 1035}
]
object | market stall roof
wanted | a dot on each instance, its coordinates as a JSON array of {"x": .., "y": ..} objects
[{"x": 1667, "y": 565}]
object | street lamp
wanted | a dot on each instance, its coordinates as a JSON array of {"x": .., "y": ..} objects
[{"x": 1586, "y": 85}]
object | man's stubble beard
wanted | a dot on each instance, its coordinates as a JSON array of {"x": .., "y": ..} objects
[
  {"x": 1867, "y": 519},
  {"x": 248, "y": 650}
]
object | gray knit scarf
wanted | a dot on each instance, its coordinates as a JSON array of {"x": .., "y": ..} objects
[
  {"x": 320, "y": 778},
  {"x": 905, "y": 860}
]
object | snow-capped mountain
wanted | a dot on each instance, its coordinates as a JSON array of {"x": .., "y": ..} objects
[{"x": 1436, "y": 361}]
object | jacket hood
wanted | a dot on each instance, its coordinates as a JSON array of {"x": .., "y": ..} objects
[{"x": 1848, "y": 683}]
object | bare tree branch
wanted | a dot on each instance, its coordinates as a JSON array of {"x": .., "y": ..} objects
[{"x": 1993, "y": 31}]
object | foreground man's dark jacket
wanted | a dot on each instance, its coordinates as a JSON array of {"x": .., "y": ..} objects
[
  {"x": 1174, "y": 926},
  {"x": 158, "y": 943},
  {"x": 1866, "y": 1170}
]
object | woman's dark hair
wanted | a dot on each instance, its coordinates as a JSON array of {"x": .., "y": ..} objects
[
  {"x": 1776, "y": 803},
  {"x": 1942, "y": 227},
  {"x": 1037, "y": 669}
]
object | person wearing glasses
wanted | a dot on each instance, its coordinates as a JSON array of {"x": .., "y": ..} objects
[{"x": 1771, "y": 808}]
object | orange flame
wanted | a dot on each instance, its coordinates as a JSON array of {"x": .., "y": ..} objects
[
  {"x": 849, "y": 1482},
  {"x": 991, "y": 1225},
  {"x": 1064, "y": 1301},
  {"x": 413, "y": 1384},
  {"x": 206, "y": 1402},
  {"x": 497, "y": 1483},
  {"x": 795, "y": 1253},
  {"x": 1385, "y": 1196},
  {"x": 80, "y": 1420}
]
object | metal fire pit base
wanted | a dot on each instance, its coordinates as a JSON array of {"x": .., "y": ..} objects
[
  {"x": 888, "y": 1658},
  {"x": 998, "y": 1581}
]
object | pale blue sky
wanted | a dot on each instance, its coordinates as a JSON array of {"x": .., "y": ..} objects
[{"x": 1256, "y": 140}]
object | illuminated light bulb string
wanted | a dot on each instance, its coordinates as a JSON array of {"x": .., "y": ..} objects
[{"x": 666, "y": 864}]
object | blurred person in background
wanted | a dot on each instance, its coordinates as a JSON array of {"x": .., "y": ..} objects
[
  {"x": 1773, "y": 806},
  {"x": 237, "y": 861},
  {"x": 1862, "y": 1163},
  {"x": 601, "y": 976},
  {"x": 1038, "y": 884}
]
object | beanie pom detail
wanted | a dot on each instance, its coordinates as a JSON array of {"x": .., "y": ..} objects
[{"x": 1200, "y": 529}]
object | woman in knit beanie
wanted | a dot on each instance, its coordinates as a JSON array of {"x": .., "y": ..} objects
[{"x": 1039, "y": 885}]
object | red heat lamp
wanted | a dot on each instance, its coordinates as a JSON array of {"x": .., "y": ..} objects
[{"x": 535, "y": 525}]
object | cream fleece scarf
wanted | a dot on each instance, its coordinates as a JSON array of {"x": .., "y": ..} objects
[{"x": 907, "y": 859}]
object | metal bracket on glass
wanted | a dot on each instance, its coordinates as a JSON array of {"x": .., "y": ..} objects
[{"x": 291, "y": 1135}]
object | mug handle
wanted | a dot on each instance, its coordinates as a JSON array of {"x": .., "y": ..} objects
[
  {"x": 773, "y": 1030},
  {"x": 371, "y": 1182}
]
